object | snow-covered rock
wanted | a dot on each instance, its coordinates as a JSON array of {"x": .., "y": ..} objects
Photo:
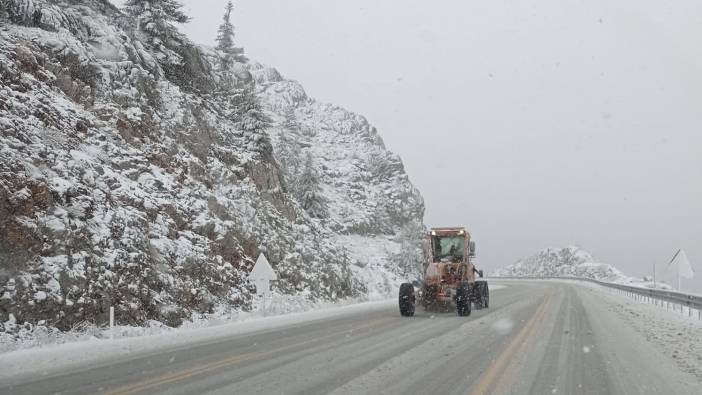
[
  {"x": 571, "y": 261},
  {"x": 152, "y": 187},
  {"x": 365, "y": 185}
]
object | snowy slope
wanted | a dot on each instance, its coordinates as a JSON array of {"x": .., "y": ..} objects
[
  {"x": 572, "y": 261},
  {"x": 373, "y": 209},
  {"x": 568, "y": 261},
  {"x": 153, "y": 188}
]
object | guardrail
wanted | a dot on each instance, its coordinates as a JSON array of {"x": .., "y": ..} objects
[{"x": 656, "y": 296}]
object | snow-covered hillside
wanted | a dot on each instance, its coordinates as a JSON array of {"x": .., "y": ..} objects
[
  {"x": 371, "y": 207},
  {"x": 151, "y": 186},
  {"x": 570, "y": 261}
]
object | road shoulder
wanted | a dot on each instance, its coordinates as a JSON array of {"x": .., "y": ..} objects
[
  {"x": 28, "y": 364},
  {"x": 636, "y": 364}
]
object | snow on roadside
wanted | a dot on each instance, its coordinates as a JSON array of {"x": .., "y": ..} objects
[
  {"x": 42, "y": 360},
  {"x": 675, "y": 335},
  {"x": 82, "y": 349},
  {"x": 276, "y": 304}
]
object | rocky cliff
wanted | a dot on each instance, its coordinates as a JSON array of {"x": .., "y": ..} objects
[{"x": 152, "y": 187}]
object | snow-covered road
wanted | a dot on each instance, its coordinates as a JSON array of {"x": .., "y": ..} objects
[{"x": 537, "y": 337}]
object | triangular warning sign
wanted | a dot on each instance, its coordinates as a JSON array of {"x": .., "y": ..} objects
[
  {"x": 262, "y": 270},
  {"x": 681, "y": 265}
]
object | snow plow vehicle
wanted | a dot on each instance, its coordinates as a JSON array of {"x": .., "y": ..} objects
[{"x": 449, "y": 276}]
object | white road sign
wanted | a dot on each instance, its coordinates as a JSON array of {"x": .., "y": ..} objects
[{"x": 261, "y": 275}]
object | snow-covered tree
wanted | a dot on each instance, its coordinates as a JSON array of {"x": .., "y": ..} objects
[
  {"x": 225, "y": 40},
  {"x": 409, "y": 258},
  {"x": 290, "y": 121},
  {"x": 288, "y": 156},
  {"x": 248, "y": 112},
  {"x": 310, "y": 192},
  {"x": 245, "y": 110},
  {"x": 23, "y": 12},
  {"x": 286, "y": 149},
  {"x": 156, "y": 19},
  {"x": 288, "y": 152}
]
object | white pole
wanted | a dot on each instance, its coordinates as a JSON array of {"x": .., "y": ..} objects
[
  {"x": 112, "y": 322},
  {"x": 678, "y": 280},
  {"x": 654, "y": 276}
]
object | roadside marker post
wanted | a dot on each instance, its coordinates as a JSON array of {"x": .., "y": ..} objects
[{"x": 112, "y": 322}]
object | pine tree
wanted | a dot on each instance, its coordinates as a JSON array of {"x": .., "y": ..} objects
[
  {"x": 156, "y": 18},
  {"x": 310, "y": 193},
  {"x": 248, "y": 112},
  {"x": 288, "y": 151},
  {"x": 225, "y": 40},
  {"x": 290, "y": 122},
  {"x": 288, "y": 156}
]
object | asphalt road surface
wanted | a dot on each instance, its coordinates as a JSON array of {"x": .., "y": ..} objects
[{"x": 536, "y": 338}]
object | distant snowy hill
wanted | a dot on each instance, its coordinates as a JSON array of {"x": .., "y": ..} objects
[
  {"x": 572, "y": 261},
  {"x": 132, "y": 180},
  {"x": 568, "y": 261}
]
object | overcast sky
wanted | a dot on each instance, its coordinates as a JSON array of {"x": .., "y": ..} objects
[{"x": 534, "y": 123}]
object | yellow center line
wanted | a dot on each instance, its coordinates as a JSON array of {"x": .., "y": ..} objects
[
  {"x": 492, "y": 374},
  {"x": 212, "y": 366},
  {"x": 176, "y": 376}
]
